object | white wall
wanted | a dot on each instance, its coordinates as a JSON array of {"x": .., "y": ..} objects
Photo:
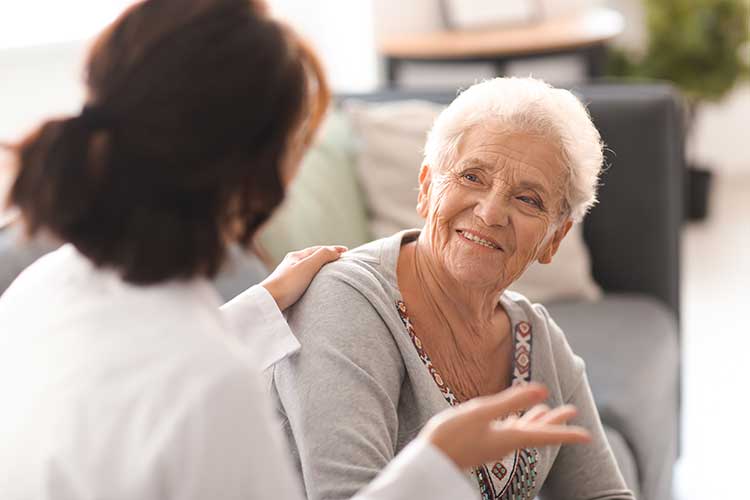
[
  {"x": 722, "y": 133},
  {"x": 25, "y": 23},
  {"x": 36, "y": 82},
  {"x": 42, "y": 45},
  {"x": 342, "y": 32}
]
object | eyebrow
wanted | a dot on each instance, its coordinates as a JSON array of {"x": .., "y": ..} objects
[
  {"x": 526, "y": 184},
  {"x": 534, "y": 186},
  {"x": 476, "y": 162}
]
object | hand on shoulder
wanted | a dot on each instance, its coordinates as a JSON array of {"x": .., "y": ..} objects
[{"x": 293, "y": 275}]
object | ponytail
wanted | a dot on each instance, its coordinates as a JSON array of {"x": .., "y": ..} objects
[{"x": 56, "y": 179}]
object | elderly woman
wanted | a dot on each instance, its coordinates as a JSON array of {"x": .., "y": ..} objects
[{"x": 406, "y": 326}]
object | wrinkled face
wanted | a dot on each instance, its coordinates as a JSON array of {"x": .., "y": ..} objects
[{"x": 496, "y": 208}]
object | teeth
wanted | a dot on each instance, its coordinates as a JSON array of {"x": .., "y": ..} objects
[{"x": 477, "y": 239}]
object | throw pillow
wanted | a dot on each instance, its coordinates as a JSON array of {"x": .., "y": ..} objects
[{"x": 323, "y": 204}]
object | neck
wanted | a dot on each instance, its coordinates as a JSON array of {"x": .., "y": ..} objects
[{"x": 468, "y": 313}]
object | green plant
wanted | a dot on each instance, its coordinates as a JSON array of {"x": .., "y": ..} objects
[{"x": 696, "y": 44}]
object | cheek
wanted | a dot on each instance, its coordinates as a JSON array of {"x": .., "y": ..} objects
[
  {"x": 287, "y": 176},
  {"x": 439, "y": 202},
  {"x": 448, "y": 200},
  {"x": 291, "y": 163},
  {"x": 447, "y": 203},
  {"x": 8, "y": 170},
  {"x": 531, "y": 234}
]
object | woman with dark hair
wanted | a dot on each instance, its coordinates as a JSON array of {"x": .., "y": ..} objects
[{"x": 120, "y": 375}]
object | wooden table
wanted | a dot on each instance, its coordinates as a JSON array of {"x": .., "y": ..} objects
[{"x": 585, "y": 33}]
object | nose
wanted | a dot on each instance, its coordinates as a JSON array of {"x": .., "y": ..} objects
[{"x": 492, "y": 208}]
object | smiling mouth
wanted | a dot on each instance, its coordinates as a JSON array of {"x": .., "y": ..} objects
[{"x": 480, "y": 240}]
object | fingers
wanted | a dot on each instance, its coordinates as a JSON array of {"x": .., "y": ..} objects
[
  {"x": 554, "y": 434},
  {"x": 536, "y": 412},
  {"x": 559, "y": 415},
  {"x": 307, "y": 252},
  {"x": 506, "y": 402},
  {"x": 543, "y": 414},
  {"x": 321, "y": 256},
  {"x": 538, "y": 435}
]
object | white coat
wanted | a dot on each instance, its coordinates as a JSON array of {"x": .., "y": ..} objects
[{"x": 115, "y": 391}]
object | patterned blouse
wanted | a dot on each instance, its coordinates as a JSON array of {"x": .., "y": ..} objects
[{"x": 514, "y": 477}]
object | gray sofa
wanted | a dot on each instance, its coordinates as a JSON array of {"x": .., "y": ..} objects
[{"x": 629, "y": 339}]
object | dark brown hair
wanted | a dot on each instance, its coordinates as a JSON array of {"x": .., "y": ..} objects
[{"x": 193, "y": 108}]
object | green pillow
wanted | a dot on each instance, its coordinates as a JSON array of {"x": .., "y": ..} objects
[{"x": 324, "y": 204}]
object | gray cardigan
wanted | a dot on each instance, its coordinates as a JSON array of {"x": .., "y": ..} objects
[{"x": 358, "y": 391}]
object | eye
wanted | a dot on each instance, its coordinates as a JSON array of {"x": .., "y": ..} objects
[
  {"x": 530, "y": 201},
  {"x": 470, "y": 177}
]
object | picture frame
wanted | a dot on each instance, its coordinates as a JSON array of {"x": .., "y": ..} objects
[{"x": 479, "y": 14}]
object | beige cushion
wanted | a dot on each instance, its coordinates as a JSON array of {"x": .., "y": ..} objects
[
  {"x": 324, "y": 203},
  {"x": 390, "y": 139}
]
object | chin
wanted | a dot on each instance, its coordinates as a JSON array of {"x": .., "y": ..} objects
[{"x": 476, "y": 276}]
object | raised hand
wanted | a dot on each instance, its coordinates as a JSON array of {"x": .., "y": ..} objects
[{"x": 487, "y": 428}]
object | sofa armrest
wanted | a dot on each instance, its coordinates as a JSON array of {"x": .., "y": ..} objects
[{"x": 630, "y": 345}]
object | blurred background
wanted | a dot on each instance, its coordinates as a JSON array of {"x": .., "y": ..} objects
[{"x": 667, "y": 80}]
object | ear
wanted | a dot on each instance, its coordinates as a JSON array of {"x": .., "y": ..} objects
[
  {"x": 423, "y": 199},
  {"x": 554, "y": 243}
]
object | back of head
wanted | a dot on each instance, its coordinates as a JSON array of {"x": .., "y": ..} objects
[{"x": 193, "y": 107}]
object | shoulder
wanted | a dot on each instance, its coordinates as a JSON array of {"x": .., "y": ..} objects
[
  {"x": 348, "y": 312},
  {"x": 360, "y": 283},
  {"x": 371, "y": 264},
  {"x": 43, "y": 269},
  {"x": 363, "y": 267},
  {"x": 346, "y": 306}
]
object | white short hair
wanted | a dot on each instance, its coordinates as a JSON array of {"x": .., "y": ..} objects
[{"x": 526, "y": 105}]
